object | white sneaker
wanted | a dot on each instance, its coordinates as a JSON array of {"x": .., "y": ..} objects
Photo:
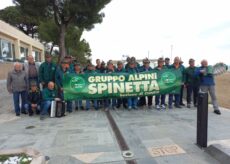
[
  {"x": 163, "y": 106},
  {"x": 158, "y": 107}
]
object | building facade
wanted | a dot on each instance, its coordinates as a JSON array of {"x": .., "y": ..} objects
[{"x": 15, "y": 45}]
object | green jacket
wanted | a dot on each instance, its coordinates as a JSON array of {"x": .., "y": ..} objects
[
  {"x": 47, "y": 72},
  {"x": 48, "y": 94},
  {"x": 90, "y": 71},
  {"x": 190, "y": 77},
  {"x": 181, "y": 68}
]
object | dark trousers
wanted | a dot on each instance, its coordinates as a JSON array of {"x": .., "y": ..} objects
[
  {"x": 181, "y": 94},
  {"x": 16, "y": 98},
  {"x": 158, "y": 98},
  {"x": 121, "y": 101},
  {"x": 177, "y": 99},
  {"x": 142, "y": 101},
  {"x": 192, "y": 89}
]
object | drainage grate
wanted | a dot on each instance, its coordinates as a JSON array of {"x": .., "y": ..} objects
[{"x": 120, "y": 139}]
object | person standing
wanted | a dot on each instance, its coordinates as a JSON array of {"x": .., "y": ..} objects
[
  {"x": 78, "y": 71},
  {"x": 120, "y": 69},
  {"x": 191, "y": 83},
  {"x": 146, "y": 68},
  {"x": 31, "y": 68},
  {"x": 132, "y": 101},
  {"x": 47, "y": 71},
  {"x": 167, "y": 62},
  {"x": 91, "y": 71},
  {"x": 160, "y": 99},
  {"x": 59, "y": 75},
  {"x": 17, "y": 84},
  {"x": 207, "y": 83},
  {"x": 176, "y": 66}
]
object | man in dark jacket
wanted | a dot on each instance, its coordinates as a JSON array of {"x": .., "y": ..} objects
[
  {"x": 47, "y": 71},
  {"x": 146, "y": 68},
  {"x": 17, "y": 84},
  {"x": 34, "y": 99},
  {"x": 59, "y": 75},
  {"x": 191, "y": 83}
]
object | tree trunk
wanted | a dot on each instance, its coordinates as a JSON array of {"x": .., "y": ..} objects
[
  {"x": 51, "y": 49},
  {"x": 62, "y": 49}
]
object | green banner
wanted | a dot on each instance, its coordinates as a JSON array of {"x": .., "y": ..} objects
[{"x": 118, "y": 85}]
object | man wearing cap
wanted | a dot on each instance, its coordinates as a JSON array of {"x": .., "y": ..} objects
[
  {"x": 176, "y": 66},
  {"x": 59, "y": 75},
  {"x": 160, "y": 99},
  {"x": 146, "y": 68},
  {"x": 120, "y": 69},
  {"x": 34, "y": 99},
  {"x": 47, "y": 71},
  {"x": 132, "y": 101},
  {"x": 167, "y": 62},
  {"x": 91, "y": 71},
  {"x": 17, "y": 84},
  {"x": 207, "y": 83},
  {"x": 110, "y": 102},
  {"x": 78, "y": 71},
  {"x": 191, "y": 83},
  {"x": 69, "y": 60},
  {"x": 31, "y": 68}
]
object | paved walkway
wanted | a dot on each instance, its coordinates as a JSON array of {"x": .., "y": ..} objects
[{"x": 86, "y": 137}]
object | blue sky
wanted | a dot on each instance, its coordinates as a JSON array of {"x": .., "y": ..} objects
[{"x": 193, "y": 28}]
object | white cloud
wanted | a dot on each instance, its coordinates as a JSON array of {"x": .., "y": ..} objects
[{"x": 135, "y": 27}]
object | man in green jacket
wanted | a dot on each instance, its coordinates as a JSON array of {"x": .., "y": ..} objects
[
  {"x": 47, "y": 71},
  {"x": 191, "y": 83},
  {"x": 48, "y": 95}
]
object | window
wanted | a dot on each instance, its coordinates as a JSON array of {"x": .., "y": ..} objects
[
  {"x": 23, "y": 53},
  {"x": 6, "y": 50},
  {"x": 36, "y": 56}
]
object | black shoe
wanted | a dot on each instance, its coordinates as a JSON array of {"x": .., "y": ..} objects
[
  {"x": 188, "y": 106},
  {"x": 31, "y": 114},
  {"x": 42, "y": 117},
  {"x": 76, "y": 108},
  {"x": 82, "y": 108},
  {"x": 195, "y": 105},
  {"x": 37, "y": 112},
  {"x": 182, "y": 104},
  {"x": 24, "y": 112},
  {"x": 217, "y": 112},
  {"x": 118, "y": 106},
  {"x": 17, "y": 114},
  {"x": 177, "y": 106}
]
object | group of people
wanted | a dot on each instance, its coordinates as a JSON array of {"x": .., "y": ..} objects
[{"x": 36, "y": 86}]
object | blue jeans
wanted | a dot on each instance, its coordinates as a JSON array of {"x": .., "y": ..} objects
[
  {"x": 132, "y": 102},
  {"x": 157, "y": 99},
  {"x": 78, "y": 103},
  {"x": 29, "y": 108},
  {"x": 16, "y": 97},
  {"x": 88, "y": 104},
  {"x": 45, "y": 105},
  {"x": 110, "y": 103},
  {"x": 177, "y": 99}
]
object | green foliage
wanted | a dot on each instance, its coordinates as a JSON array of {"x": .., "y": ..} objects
[{"x": 24, "y": 22}]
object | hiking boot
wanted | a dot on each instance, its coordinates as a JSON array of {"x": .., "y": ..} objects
[
  {"x": 217, "y": 112},
  {"x": 42, "y": 117},
  {"x": 178, "y": 106},
  {"x": 163, "y": 106},
  {"x": 158, "y": 107}
]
